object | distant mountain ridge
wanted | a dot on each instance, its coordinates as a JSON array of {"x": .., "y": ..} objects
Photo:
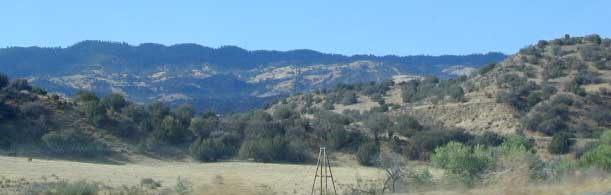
[{"x": 194, "y": 73}]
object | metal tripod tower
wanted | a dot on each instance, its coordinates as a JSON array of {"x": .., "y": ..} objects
[{"x": 323, "y": 171}]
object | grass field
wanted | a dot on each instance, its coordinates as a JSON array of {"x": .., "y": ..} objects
[
  {"x": 233, "y": 178},
  {"x": 206, "y": 178}
]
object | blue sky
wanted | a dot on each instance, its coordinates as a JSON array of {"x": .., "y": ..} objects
[{"x": 336, "y": 26}]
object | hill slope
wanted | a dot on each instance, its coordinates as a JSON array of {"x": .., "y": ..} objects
[
  {"x": 558, "y": 86},
  {"x": 223, "y": 79}
]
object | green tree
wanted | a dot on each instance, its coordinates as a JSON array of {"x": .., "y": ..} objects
[
  {"x": 456, "y": 92},
  {"x": 95, "y": 112},
  {"x": 487, "y": 68},
  {"x": 368, "y": 153},
  {"x": 487, "y": 139},
  {"x": 210, "y": 150},
  {"x": 533, "y": 99},
  {"x": 378, "y": 123},
  {"x": 74, "y": 143},
  {"x": 349, "y": 98},
  {"x": 114, "y": 101},
  {"x": 202, "y": 127},
  {"x": 20, "y": 84},
  {"x": 283, "y": 112},
  {"x": 561, "y": 143},
  {"x": 4, "y": 81},
  {"x": 407, "y": 125},
  {"x": 271, "y": 149},
  {"x": 575, "y": 88},
  {"x": 171, "y": 131},
  {"x": 184, "y": 113},
  {"x": 328, "y": 105},
  {"x": 594, "y": 38},
  {"x": 85, "y": 96},
  {"x": 462, "y": 162}
]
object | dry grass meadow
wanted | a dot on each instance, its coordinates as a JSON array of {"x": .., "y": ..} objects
[
  {"x": 233, "y": 178},
  {"x": 205, "y": 178}
]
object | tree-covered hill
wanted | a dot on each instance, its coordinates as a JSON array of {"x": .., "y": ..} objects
[{"x": 212, "y": 77}]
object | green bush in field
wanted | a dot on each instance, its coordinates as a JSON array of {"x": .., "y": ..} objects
[
  {"x": 271, "y": 149},
  {"x": 74, "y": 143},
  {"x": 462, "y": 162},
  {"x": 341, "y": 139},
  {"x": 368, "y": 153},
  {"x": 407, "y": 126},
  {"x": 561, "y": 143},
  {"x": 211, "y": 150},
  {"x": 599, "y": 156}
]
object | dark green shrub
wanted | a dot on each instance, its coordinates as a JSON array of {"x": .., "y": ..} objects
[
  {"x": 425, "y": 142},
  {"x": 409, "y": 90},
  {"x": 4, "y": 81},
  {"x": 555, "y": 69},
  {"x": 378, "y": 98},
  {"x": 267, "y": 149},
  {"x": 456, "y": 93},
  {"x": 39, "y": 91},
  {"x": 585, "y": 77},
  {"x": 114, "y": 101},
  {"x": 591, "y": 52},
  {"x": 328, "y": 105},
  {"x": 211, "y": 150},
  {"x": 594, "y": 38},
  {"x": 74, "y": 143},
  {"x": 334, "y": 117},
  {"x": 33, "y": 110},
  {"x": 487, "y": 139},
  {"x": 7, "y": 112},
  {"x": 96, "y": 113},
  {"x": 367, "y": 153},
  {"x": 184, "y": 113},
  {"x": 487, "y": 68},
  {"x": 283, "y": 112},
  {"x": 19, "y": 85},
  {"x": 561, "y": 143},
  {"x": 379, "y": 109},
  {"x": 202, "y": 127},
  {"x": 171, "y": 131},
  {"x": 534, "y": 98},
  {"x": 575, "y": 88},
  {"x": 348, "y": 98},
  {"x": 340, "y": 139},
  {"x": 407, "y": 126},
  {"x": 378, "y": 123},
  {"x": 552, "y": 116},
  {"x": 86, "y": 96},
  {"x": 548, "y": 91}
]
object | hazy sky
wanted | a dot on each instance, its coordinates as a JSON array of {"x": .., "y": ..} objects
[{"x": 379, "y": 27}]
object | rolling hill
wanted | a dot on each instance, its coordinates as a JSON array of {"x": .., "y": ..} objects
[{"x": 224, "y": 79}]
